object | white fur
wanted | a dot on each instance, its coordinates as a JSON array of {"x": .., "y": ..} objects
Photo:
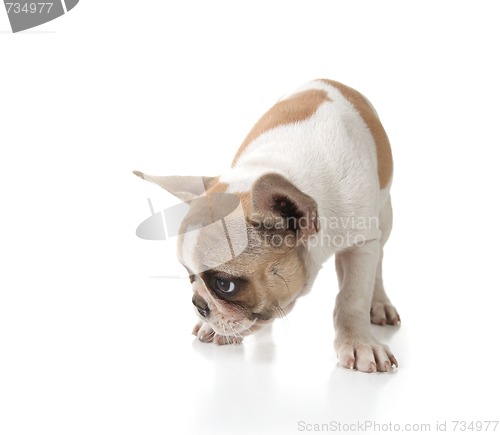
[{"x": 332, "y": 157}]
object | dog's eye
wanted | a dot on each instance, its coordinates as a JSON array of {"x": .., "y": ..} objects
[{"x": 224, "y": 285}]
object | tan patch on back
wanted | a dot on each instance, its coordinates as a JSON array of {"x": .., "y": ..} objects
[
  {"x": 384, "y": 154},
  {"x": 296, "y": 108}
]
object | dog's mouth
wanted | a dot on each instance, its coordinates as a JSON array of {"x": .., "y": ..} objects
[
  {"x": 233, "y": 328},
  {"x": 239, "y": 330},
  {"x": 234, "y": 322}
]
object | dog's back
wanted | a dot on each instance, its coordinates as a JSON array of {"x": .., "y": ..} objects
[{"x": 328, "y": 140}]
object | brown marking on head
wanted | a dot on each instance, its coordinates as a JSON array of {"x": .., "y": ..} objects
[
  {"x": 268, "y": 276},
  {"x": 213, "y": 189},
  {"x": 269, "y": 273},
  {"x": 371, "y": 119},
  {"x": 296, "y": 108},
  {"x": 216, "y": 186},
  {"x": 246, "y": 202},
  {"x": 184, "y": 187}
]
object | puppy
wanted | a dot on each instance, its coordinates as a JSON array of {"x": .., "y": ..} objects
[{"x": 311, "y": 179}]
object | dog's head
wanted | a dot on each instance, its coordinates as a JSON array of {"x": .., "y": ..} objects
[{"x": 244, "y": 251}]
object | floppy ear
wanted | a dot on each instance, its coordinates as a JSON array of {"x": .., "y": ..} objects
[
  {"x": 278, "y": 204},
  {"x": 184, "y": 187}
]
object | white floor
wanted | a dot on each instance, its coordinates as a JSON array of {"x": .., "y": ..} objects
[
  {"x": 101, "y": 347},
  {"x": 288, "y": 379},
  {"x": 91, "y": 343}
]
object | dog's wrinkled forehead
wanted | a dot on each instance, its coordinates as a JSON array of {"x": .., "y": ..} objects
[{"x": 213, "y": 232}]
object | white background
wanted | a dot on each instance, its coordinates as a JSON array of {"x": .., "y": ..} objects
[{"x": 90, "y": 343}]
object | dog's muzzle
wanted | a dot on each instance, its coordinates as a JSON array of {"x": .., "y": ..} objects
[{"x": 201, "y": 305}]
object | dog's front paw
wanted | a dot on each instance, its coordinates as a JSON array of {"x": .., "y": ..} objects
[
  {"x": 204, "y": 332},
  {"x": 382, "y": 313},
  {"x": 364, "y": 354}
]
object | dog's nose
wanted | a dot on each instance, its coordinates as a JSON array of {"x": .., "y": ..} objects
[{"x": 201, "y": 305}]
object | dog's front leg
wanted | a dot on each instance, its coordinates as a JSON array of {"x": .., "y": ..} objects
[{"x": 354, "y": 343}]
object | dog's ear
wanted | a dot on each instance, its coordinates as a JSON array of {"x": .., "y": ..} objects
[
  {"x": 278, "y": 204},
  {"x": 185, "y": 188}
]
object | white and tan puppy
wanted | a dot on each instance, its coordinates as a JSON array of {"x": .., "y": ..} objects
[{"x": 311, "y": 179}]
